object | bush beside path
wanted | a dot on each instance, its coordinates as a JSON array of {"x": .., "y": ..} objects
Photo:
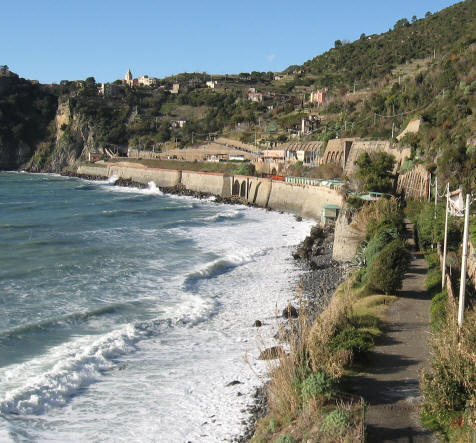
[{"x": 391, "y": 383}]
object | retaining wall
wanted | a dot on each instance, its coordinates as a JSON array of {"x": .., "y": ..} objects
[
  {"x": 304, "y": 200},
  {"x": 93, "y": 171},
  {"x": 346, "y": 243}
]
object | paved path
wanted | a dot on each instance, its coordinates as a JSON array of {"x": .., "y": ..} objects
[{"x": 391, "y": 386}]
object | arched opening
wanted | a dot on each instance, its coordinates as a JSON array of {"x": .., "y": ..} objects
[
  {"x": 236, "y": 188},
  {"x": 273, "y": 171},
  {"x": 243, "y": 189}
]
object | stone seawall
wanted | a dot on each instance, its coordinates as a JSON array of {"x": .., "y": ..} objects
[
  {"x": 304, "y": 200},
  {"x": 346, "y": 243}
]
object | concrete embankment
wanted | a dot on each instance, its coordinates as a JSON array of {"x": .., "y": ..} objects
[{"x": 304, "y": 200}]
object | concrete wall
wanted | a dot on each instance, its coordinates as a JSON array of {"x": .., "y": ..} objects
[
  {"x": 345, "y": 243},
  {"x": 304, "y": 200},
  {"x": 203, "y": 182},
  {"x": 161, "y": 177},
  {"x": 93, "y": 171},
  {"x": 360, "y": 146}
]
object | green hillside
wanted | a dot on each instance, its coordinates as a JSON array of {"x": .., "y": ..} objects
[
  {"x": 375, "y": 85},
  {"x": 375, "y": 56}
]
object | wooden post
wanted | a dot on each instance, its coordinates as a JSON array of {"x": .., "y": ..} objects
[
  {"x": 443, "y": 272},
  {"x": 462, "y": 282}
]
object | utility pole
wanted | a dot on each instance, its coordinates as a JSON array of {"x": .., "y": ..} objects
[
  {"x": 429, "y": 188},
  {"x": 192, "y": 137},
  {"x": 445, "y": 242},
  {"x": 462, "y": 280},
  {"x": 393, "y": 128},
  {"x": 436, "y": 193}
]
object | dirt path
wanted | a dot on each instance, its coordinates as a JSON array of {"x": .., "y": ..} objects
[{"x": 391, "y": 386}]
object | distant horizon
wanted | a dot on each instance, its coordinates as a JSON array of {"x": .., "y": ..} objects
[{"x": 105, "y": 40}]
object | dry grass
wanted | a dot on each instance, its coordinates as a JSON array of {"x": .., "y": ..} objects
[
  {"x": 449, "y": 386},
  {"x": 309, "y": 352},
  {"x": 373, "y": 212}
]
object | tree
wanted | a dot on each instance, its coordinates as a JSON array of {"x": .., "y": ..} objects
[
  {"x": 337, "y": 44},
  {"x": 402, "y": 23},
  {"x": 414, "y": 19},
  {"x": 375, "y": 171},
  {"x": 428, "y": 14},
  {"x": 362, "y": 36}
]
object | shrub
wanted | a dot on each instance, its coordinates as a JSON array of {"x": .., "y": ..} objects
[
  {"x": 285, "y": 439},
  {"x": 388, "y": 269},
  {"x": 336, "y": 422},
  {"x": 448, "y": 385},
  {"x": 377, "y": 243},
  {"x": 431, "y": 229},
  {"x": 318, "y": 384},
  {"x": 375, "y": 171},
  {"x": 245, "y": 169},
  {"x": 352, "y": 339}
]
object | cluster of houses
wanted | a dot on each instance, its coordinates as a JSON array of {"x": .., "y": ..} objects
[{"x": 316, "y": 97}]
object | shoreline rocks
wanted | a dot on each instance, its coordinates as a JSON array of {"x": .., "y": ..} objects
[{"x": 317, "y": 284}]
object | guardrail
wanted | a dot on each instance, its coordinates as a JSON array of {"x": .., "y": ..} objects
[{"x": 333, "y": 184}]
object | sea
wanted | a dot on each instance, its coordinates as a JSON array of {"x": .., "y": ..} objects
[{"x": 126, "y": 313}]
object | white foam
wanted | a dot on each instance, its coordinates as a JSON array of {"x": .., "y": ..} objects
[{"x": 158, "y": 379}]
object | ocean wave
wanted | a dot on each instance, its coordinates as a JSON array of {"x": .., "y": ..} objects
[
  {"x": 151, "y": 189},
  {"x": 77, "y": 367},
  {"x": 216, "y": 268},
  {"x": 21, "y": 227},
  {"x": 60, "y": 322},
  {"x": 223, "y": 216},
  {"x": 73, "y": 372}
]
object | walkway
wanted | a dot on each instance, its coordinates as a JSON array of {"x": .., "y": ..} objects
[{"x": 391, "y": 386}]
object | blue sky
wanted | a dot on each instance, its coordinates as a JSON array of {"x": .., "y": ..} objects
[{"x": 52, "y": 40}]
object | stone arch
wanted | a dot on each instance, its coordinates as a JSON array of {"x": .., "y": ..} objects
[
  {"x": 236, "y": 188},
  {"x": 243, "y": 189}
]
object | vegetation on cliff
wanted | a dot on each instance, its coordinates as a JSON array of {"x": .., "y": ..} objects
[
  {"x": 26, "y": 112},
  {"x": 423, "y": 68}
]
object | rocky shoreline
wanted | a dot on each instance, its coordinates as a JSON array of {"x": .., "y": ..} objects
[
  {"x": 321, "y": 277},
  {"x": 316, "y": 286}
]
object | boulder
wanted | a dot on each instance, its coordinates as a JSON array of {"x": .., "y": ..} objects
[
  {"x": 290, "y": 312},
  {"x": 233, "y": 383},
  {"x": 300, "y": 253},
  {"x": 258, "y": 323}
]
